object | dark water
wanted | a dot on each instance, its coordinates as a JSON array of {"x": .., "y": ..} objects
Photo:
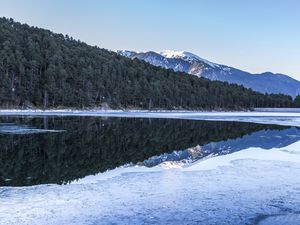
[{"x": 59, "y": 150}]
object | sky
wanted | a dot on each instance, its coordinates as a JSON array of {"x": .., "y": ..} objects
[{"x": 256, "y": 36}]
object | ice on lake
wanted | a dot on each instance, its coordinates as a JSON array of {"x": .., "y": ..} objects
[
  {"x": 158, "y": 171},
  {"x": 10, "y": 128}
]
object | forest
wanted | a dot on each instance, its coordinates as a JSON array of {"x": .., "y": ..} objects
[{"x": 41, "y": 69}]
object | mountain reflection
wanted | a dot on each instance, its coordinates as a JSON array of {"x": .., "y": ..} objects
[{"x": 90, "y": 145}]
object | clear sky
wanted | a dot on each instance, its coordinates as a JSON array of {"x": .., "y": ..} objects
[{"x": 254, "y": 35}]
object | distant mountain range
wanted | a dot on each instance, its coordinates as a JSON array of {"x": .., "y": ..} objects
[{"x": 192, "y": 64}]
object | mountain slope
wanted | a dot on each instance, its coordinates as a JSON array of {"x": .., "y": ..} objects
[
  {"x": 39, "y": 68},
  {"x": 193, "y": 64}
]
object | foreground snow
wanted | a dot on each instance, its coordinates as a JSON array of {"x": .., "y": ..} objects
[
  {"x": 253, "y": 186},
  {"x": 278, "y": 117}
]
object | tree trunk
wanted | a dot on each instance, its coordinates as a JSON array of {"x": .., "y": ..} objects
[{"x": 45, "y": 99}]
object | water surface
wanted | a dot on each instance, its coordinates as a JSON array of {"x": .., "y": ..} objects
[{"x": 41, "y": 150}]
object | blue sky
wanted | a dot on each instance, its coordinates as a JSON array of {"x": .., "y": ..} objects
[{"x": 256, "y": 35}]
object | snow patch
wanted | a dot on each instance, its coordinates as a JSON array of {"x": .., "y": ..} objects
[{"x": 186, "y": 56}]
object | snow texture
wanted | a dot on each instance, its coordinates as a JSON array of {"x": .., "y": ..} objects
[
  {"x": 254, "y": 186},
  {"x": 186, "y": 56}
]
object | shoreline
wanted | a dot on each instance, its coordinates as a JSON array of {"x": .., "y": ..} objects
[
  {"x": 282, "y": 118},
  {"x": 99, "y": 110}
]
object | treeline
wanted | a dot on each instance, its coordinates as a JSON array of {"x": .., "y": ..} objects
[{"x": 39, "y": 68}]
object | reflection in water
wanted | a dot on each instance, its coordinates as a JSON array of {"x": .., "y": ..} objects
[
  {"x": 186, "y": 156},
  {"x": 91, "y": 145},
  {"x": 11, "y": 128},
  {"x": 265, "y": 139}
]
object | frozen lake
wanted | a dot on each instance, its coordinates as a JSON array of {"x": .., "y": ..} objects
[{"x": 209, "y": 168}]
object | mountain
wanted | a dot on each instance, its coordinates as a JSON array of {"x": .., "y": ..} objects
[
  {"x": 39, "y": 68},
  {"x": 193, "y": 64}
]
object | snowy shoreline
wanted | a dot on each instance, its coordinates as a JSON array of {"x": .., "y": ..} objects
[
  {"x": 87, "y": 110},
  {"x": 263, "y": 117}
]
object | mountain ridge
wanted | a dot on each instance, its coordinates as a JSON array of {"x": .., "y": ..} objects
[{"x": 183, "y": 61}]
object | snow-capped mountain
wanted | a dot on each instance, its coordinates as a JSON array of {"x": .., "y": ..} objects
[{"x": 192, "y": 64}]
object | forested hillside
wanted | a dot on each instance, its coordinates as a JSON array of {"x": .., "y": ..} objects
[{"x": 41, "y": 69}]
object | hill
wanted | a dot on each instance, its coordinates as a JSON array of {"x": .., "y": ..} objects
[{"x": 39, "y": 68}]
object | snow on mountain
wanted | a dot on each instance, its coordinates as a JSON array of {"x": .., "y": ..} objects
[
  {"x": 126, "y": 53},
  {"x": 186, "y": 56},
  {"x": 190, "y": 63}
]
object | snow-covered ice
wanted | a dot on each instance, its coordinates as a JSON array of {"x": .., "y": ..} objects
[
  {"x": 277, "y": 117},
  {"x": 6, "y": 128},
  {"x": 253, "y": 186}
]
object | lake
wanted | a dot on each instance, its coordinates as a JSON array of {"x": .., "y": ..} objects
[{"x": 58, "y": 150}]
